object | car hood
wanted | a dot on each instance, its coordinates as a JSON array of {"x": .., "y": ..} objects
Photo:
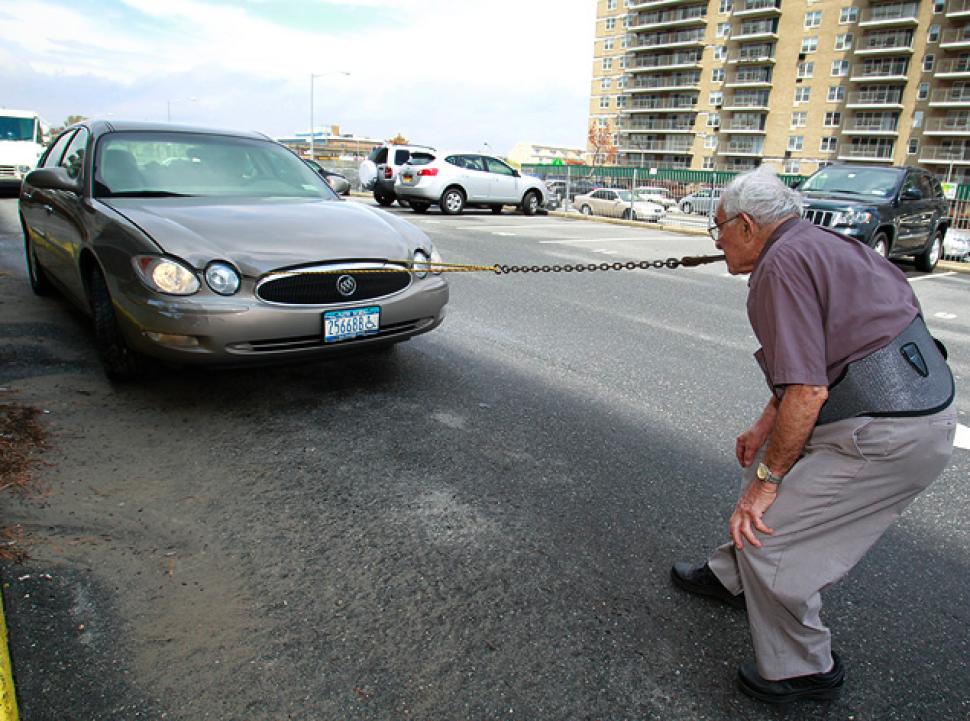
[
  {"x": 260, "y": 235},
  {"x": 838, "y": 201}
]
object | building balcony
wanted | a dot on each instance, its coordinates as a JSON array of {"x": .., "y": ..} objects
[
  {"x": 950, "y": 98},
  {"x": 660, "y": 146},
  {"x": 739, "y": 165},
  {"x": 658, "y": 126},
  {"x": 958, "y": 9},
  {"x": 754, "y": 8},
  {"x": 658, "y": 41},
  {"x": 651, "y": 4},
  {"x": 889, "y": 72},
  {"x": 882, "y": 153},
  {"x": 885, "y": 126},
  {"x": 954, "y": 126},
  {"x": 756, "y": 30},
  {"x": 744, "y": 129},
  {"x": 953, "y": 68},
  {"x": 669, "y": 18},
  {"x": 751, "y": 147},
  {"x": 661, "y": 83},
  {"x": 668, "y": 61},
  {"x": 886, "y": 43},
  {"x": 746, "y": 102},
  {"x": 897, "y": 15},
  {"x": 751, "y": 77},
  {"x": 956, "y": 38},
  {"x": 945, "y": 154},
  {"x": 663, "y": 105},
  {"x": 757, "y": 54}
]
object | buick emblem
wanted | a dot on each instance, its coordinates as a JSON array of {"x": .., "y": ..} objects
[{"x": 346, "y": 285}]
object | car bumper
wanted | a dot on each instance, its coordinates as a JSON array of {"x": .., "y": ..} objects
[
  {"x": 246, "y": 331},
  {"x": 430, "y": 193}
]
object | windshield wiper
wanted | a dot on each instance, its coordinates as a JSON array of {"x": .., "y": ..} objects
[{"x": 148, "y": 194}]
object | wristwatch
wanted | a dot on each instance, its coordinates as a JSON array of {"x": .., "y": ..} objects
[{"x": 764, "y": 474}]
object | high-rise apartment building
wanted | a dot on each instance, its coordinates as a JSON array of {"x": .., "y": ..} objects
[{"x": 731, "y": 84}]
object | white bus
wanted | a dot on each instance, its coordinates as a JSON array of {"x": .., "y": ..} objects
[{"x": 23, "y": 137}]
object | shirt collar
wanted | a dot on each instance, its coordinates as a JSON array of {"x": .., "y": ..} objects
[{"x": 775, "y": 235}]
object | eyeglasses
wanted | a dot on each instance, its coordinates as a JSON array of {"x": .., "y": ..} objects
[{"x": 715, "y": 230}]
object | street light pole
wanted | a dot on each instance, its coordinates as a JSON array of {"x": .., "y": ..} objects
[{"x": 313, "y": 77}]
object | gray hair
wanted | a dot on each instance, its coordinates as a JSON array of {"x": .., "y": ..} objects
[{"x": 760, "y": 194}]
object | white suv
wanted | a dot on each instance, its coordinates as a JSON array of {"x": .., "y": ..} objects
[
  {"x": 382, "y": 166},
  {"x": 454, "y": 181}
]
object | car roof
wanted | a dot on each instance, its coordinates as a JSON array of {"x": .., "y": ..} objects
[{"x": 100, "y": 126}]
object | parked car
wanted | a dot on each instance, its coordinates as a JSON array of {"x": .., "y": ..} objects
[
  {"x": 577, "y": 186},
  {"x": 203, "y": 246},
  {"x": 337, "y": 181},
  {"x": 703, "y": 201},
  {"x": 382, "y": 166},
  {"x": 454, "y": 181},
  {"x": 616, "y": 203},
  {"x": 897, "y": 211},
  {"x": 956, "y": 245},
  {"x": 660, "y": 196}
]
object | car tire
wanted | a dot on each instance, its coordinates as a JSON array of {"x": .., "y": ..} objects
[
  {"x": 497, "y": 209},
  {"x": 880, "y": 244},
  {"x": 531, "y": 203},
  {"x": 586, "y": 210},
  {"x": 404, "y": 203},
  {"x": 452, "y": 201},
  {"x": 687, "y": 208},
  {"x": 419, "y": 207},
  {"x": 927, "y": 260},
  {"x": 120, "y": 362},
  {"x": 383, "y": 199},
  {"x": 629, "y": 215},
  {"x": 39, "y": 283}
]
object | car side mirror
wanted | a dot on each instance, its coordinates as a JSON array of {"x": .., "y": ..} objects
[
  {"x": 516, "y": 173},
  {"x": 53, "y": 179},
  {"x": 912, "y": 194}
]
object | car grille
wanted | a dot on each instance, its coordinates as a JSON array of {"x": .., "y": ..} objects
[
  {"x": 8, "y": 171},
  {"x": 819, "y": 217},
  {"x": 318, "y": 286}
]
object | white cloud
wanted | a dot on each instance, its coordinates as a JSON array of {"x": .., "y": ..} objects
[{"x": 443, "y": 70}]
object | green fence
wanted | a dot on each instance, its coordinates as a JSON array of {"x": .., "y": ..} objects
[{"x": 644, "y": 175}]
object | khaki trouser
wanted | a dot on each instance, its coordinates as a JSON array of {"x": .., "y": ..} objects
[{"x": 855, "y": 478}]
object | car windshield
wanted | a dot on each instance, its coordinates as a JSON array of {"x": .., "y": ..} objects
[
  {"x": 857, "y": 181},
  {"x": 167, "y": 164},
  {"x": 624, "y": 195},
  {"x": 16, "y": 128}
]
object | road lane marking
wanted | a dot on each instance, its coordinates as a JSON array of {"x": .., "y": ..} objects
[
  {"x": 962, "y": 437},
  {"x": 604, "y": 251},
  {"x": 590, "y": 240},
  {"x": 945, "y": 316},
  {"x": 931, "y": 277},
  {"x": 505, "y": 234},
  {"x": 507, "y": 227}
]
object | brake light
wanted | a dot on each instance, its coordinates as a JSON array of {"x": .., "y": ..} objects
[
  {"x": 429, "y": 172},
  {"x": 388, "y": 173}
]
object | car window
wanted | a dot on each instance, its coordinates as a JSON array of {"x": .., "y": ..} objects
[
  {"x": 937, "y": 188},
  {"x": 497, "y": 166},
  {"x": 421, "y": 158},
  {"x": 53, "y": 156},
  {"x": 472, "y": 162},
  {"x": 401, "y": 156},
  {"x": 600, "y": 195},
  {"x": 378, "y": 155},
  {"x": 73, "y": 158},
  {"x": 911, "y": 183},
  {"x": 162, "y": 163},
  {"x": 926, "y": 186}
]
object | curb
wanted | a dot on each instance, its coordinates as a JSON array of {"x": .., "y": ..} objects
[{"x": 8, "y": 695}]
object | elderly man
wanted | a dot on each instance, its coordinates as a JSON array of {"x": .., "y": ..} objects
[{"x": 859, "y": 422}]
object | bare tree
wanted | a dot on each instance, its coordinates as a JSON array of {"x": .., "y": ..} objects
[
  {"x": 399, "y": 140},
  {"x": 600, "y": 143}
]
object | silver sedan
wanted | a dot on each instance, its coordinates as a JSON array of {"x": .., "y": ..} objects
[{"x": 215, "y": 247}]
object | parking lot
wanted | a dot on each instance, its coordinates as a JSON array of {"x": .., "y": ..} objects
[{"x": 478, "y": 525}]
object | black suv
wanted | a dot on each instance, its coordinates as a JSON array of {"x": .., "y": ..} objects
[{"x": 895, "y": 211}]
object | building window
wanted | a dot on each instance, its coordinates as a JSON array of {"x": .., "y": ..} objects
[
  {"x": 713, "y": 120},
  {"x": 611, "y": 4},
  {"x": 627, "y": 22},
  {"x": 802, "y": 94},
  {"x": 710, "y": 141},
  {"x": 717, "y": 75},
  {"x": 848, "y": 16},
  {"x": 715, "y": 99},
  {"x": 840, "y": 68},
  {"x": 928, "y": 61},
  {"x": 720, "y": 52},
  {"x": 796, "y": 142},
  {"x": 938, "y": 6},
  {"x": 836, "y": 94},
  {"x": 793, "y": 166},
  {"x": 723, "y": 30},
  {"x": 604, "y": 122},
  {"x": 611, "y": 23},
  {"x": 726, "y": 7},
  {"x": 843, "y": 41},
  {"x": 621, "y": 101},
  {"x": 607, "y": 63},
  {"x": 608, "y": 44},
  {"x": 708, "y": 162},
  {"x": 621, "y": 83},
  {"x": 832, "y": 120},
  {"x": 605, "y": 83},
  {"x": 805, "y": 69},
  {"x": 623, "y": 63},
  {"x": 933, "y": 36},
  {"x": 923, "y": 91},
  {"x": 813, "y": 19},
  {"x": 604, "y": 102},
  {"x": 912, "y": 147},
  {"x": 810, "y": 44},
  {"x": 625, "y": 43},
  {"x": 828, "y": 145},
  {"x": 799, "y": 120}
]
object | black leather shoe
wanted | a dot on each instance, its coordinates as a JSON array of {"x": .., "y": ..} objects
[
  {"x": 702, "y": 581},
  {"x": 818, "y": 686}
]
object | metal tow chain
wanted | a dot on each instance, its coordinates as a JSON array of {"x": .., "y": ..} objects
[{"x": 407, "y": 266}]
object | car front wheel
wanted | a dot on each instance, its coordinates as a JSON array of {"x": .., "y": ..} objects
[
  {"x": 586, "y": 210},
  {"x": 927, "y": 260},
  {"x": 530, "y": 203},
  {"x": 120, "y": 362},
  {"x": 687, "y": 208},
  {"x": 629, "y": 215},
  {"x": 452, "y": 202},
  {"x": 880, "y": 244},
  {"x": 384, "y": 200}
]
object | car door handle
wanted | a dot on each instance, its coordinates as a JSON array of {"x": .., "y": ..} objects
[{"x": 49, "y": 209}]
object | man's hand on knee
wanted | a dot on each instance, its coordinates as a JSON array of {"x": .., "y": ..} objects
[{"x": 747, "y": 517}]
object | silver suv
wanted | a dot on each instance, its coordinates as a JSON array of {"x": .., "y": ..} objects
[{"x": 382, "y": 166}]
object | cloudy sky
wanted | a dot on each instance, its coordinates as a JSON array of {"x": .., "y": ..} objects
[{"x": 454, "y": 73}]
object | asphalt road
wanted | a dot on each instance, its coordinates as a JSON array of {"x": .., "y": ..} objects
[{"x": 479, "y": 526}]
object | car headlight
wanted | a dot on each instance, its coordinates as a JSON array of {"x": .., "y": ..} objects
[
  {"x": 436, "y": 259},
  {"x": 166, "y": 275},
  {"x": 222, "y": 277},
  {"x": 421, "y": 267},
  {"x": 852, "y": 217}
]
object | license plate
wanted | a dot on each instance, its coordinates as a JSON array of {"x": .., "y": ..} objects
[
  {"x": 408, "y": 178},
  {"x": 351, "y": 323}
]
